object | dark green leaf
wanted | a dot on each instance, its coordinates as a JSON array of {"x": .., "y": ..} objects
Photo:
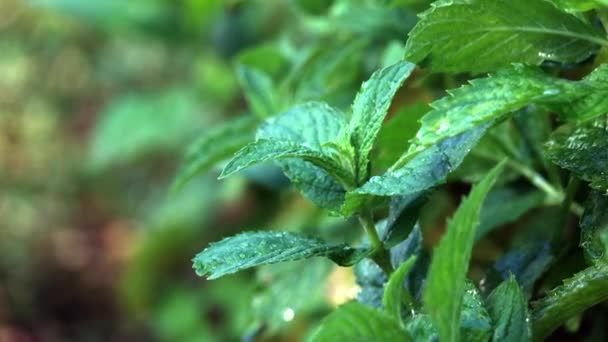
[
  {"x": 394, "y": 292},
  {"x": 476, "y": 325},
  {"x": 215, "y": 145},
  {"x": 356, "y": 322},
  {"x": 252, "y": 249},
  {"x": 484, "y": 35},
  {"x": 370, "y": 279},
  {"x": 527, "y": 264},
  {"x": 370, "y": 108},
  {"x": 509, "y": 311},
  {"x": 402, "y": 216},
  {"x": 424, "y": 171},
  {"x": 506, "y": 205},
  {"x": 585, "y": 289},
  {"x": 493, "y": 97},
  {"x": 594, "y": 224},
  {"x": 446, "y": 282},
  {"x": 584, "y": 151}
]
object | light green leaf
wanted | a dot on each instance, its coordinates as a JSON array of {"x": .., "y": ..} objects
[
  {"x": 218, "y": 143},
  {"x": 370, "y": 108},
  {"x": 585, "y": 289},
  {"x": 509, "y": 311},
  {"x": 424, "y": 171},
  {"x": 313, "y": 124},
  {"x": 265, "y": 150},
  {"x": 252, "y": 249},
  {"x": 446, "y": 282},
  {"x": 584, "y": 151},
  {"x": 484, "y": 35},
  {"x": 356, "y": 322},
  {"x": 594, "y": 224},
  {"x": 394, "y": 292},
  {"x": 260, "y": 91}
]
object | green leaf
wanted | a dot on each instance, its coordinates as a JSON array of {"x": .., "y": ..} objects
[
  {"x": 394, "y": 135},
  {"x": 585, "y": 289},
  {"x": 356, "y": 322},
  {"x": 476, "y": 325},
  {"x": 265, "y": 150},
  {"x": 584, "y": 151},
  {"x": 486, "y": 99},
  {"x": 260, "y": 91},
  {"x": 593, "y": 99},
  {"x": 290, "y": 287},
  {"x": 371, "y": 279},
  {"x": 370, "y": 108},
  {"x": 138, "y": 125},
  {"x": 402, "y": 216},
  {"x": 484, "y": 35},
  {"x": 252, "y": 249},
  {"x": 594, "y": 225},
  {"x": 312, "y": 125},
  {"x": 493, "y": 97},
  {"x": 424, "y": 171},
  {"x": 218, "y": 143},
  {"x": 526, "y": 263},
  {"x": 315, "y": 183},
  {"x": 446, "y": 282},
  {"x": 506, "y": 205},
  {"x": 394, "y": 293},
  {"x": 509, "y": 311}
]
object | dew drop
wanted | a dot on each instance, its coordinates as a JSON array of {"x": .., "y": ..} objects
[{"x": 288, "y": 314}]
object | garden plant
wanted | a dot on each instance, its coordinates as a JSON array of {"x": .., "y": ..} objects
[{"x": 500, "y": 104}]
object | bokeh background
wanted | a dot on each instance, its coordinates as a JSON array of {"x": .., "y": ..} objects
[{"x": 99, "y": 101}]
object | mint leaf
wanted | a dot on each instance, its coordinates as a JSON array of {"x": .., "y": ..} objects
[
  {"x": 594, "y": 224},
  {"x": 370, "y": 108},
  {"x": 264, "y": 150},
  {"x": 394, "y": 293},
  {"x": 356, "y": 322},
  {"x": 526, "y": 263},
  {"x": 424, "y": 171},
  {"x": 584, "y": 151},
  {"x": 370, "y": 279},
  {"x": 592, "y": 100},
  {"x": 218, "y": 143},
  {"x": 585, "y": 289},
  {"x": 484, "y": 35},
  {"x": 252, "y": 249},
  {"x": 260, "y": 91},
  {"x": 475, "y": 323},
  {"x": 509, "y": 311},
  {"x": 446, "y": 280}
]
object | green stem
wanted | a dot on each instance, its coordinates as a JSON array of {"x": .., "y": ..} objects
[
  {"x": 571, "y": 189},
  {"x": 554, "y": 196},
  {"x": 585, "y": 289},
  {"x": 380, "y": 255}
]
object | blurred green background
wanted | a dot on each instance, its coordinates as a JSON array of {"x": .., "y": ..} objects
[{"x": 99, "y": 101}]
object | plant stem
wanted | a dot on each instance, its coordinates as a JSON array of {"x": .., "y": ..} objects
[
  {"x": 571, "y": 189},
  {"x": 380, "y": 255}
]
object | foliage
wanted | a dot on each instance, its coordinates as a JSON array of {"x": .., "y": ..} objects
[{"x": 357, "y": 163}]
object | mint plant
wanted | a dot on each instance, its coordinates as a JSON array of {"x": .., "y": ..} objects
[{"x": 518, "y": 119}]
